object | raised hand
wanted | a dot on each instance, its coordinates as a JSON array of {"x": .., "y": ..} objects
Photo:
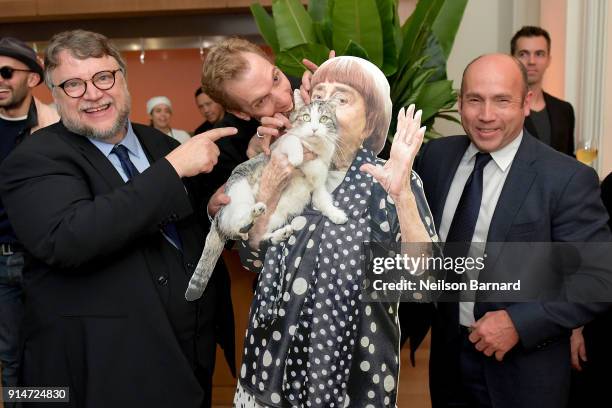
[{"x": 395, "y": 175}]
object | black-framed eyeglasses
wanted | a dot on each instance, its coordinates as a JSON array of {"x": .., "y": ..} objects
[
  {"x": 7, "y": 72},
  {"x": 76, "y": 87}
]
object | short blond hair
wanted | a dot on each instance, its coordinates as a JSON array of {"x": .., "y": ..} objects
[
  {"x": 367, "y": 79},
  {"x": 225, "y": 62}
]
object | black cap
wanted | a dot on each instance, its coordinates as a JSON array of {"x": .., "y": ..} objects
[{"x": 14, "y": 48}]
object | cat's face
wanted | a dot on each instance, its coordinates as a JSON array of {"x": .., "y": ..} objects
[{"x": 315, "y": 123}]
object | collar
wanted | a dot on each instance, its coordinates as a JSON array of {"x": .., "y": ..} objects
[
  {"x": 502, "y": 157},
  {"x": 130, "y": 141}
]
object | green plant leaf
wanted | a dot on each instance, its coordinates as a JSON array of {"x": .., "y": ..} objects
[
  {"x": 447, "y": 23},
  {"x": 290, "y": 61},
  {"x": 356, "y": 50},
  {"x": 360, "y": 22},
  {"x": 386, "y": 11},
  {"x": 436, "y": 60},
  {"x": 318, "y": 10},
  {"x": 435, "y": 96},
  {"x": 450, "y": 118},
  {"x": 266, "y": 27},
  {"x": 293, "y": 24},
  {"x": 421, "y": 19},
  {"x": 323, "y": 33},
  {"x": 403, "y": 82}
]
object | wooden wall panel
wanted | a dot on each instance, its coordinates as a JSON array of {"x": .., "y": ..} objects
[
  {"x": 79, "y": 7},
  {"x": 11, "y": 9},
  {"x": 34, "y": 10}
]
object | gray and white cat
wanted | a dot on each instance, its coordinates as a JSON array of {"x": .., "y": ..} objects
[{"x": 314, "y": 126}]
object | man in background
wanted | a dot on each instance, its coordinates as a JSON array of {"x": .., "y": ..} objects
[
  {"x": 550, "y": 119},
  {"x": 20, "y": 115},
  {"x": 211, "y": 111}
]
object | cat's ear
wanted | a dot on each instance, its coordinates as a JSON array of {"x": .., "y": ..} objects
[{"x": 298, "y": 102}]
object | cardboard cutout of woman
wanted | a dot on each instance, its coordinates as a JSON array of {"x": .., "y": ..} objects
[{"x": 312, "y": 341}]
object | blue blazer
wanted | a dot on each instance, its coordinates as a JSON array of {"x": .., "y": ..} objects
[{"x": 547, "y": 197}]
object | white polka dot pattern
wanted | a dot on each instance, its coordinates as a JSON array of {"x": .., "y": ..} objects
[{"x": 312, "y": 341}]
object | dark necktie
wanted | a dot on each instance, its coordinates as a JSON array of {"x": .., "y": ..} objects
[
  {"x": 466, "y": 214},
  {"x": 463, "y": 225},
  {"x": 169, "y": 230}
]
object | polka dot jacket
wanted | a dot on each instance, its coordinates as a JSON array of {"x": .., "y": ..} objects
[{"x": 312, "y": 341}]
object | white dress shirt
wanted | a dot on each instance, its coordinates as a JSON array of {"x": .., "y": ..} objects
[{"x": 494, "y": 177}]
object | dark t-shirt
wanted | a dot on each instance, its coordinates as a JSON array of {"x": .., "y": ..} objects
[
  {"x": 9, "y": 131},
  {"x": 204, "y": 127},
  {"x": 541, "y": 121}
]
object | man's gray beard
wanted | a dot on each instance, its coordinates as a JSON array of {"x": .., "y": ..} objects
[{"x": 97, "y": 134}]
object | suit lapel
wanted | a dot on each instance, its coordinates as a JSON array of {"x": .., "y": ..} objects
[
  {"x": 513, "y": 194},
  {"x": 94, "y": 156}
]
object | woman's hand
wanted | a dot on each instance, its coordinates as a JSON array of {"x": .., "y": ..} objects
[
  {"x": 395, "y": 175},
  {"x": 274, "y": 178}
]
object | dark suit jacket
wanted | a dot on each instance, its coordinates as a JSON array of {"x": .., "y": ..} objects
[
  {"x": 547, "y": 197},
  {"x": 562, "y": 122},
  {"x": 103, "y": 288}
]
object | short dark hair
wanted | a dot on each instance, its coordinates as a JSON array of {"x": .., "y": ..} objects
[
  {"x": 529, "y": 31},
  {"x": 198, "y": 91},
  {"x": 518, "y": 63}
]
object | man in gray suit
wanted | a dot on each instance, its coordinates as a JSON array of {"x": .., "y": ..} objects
[{"x": 497, "y": 354}]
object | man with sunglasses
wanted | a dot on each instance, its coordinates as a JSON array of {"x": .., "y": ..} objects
[
  {"x": 111, "y": 217},
  {"x": 20, "y": 115}
]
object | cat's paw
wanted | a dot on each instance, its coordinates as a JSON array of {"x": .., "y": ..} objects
[
  {"x": 295, "y": 160},
  {"x": 258, "y": 209},
  {"x": 337, "y": 216},
  {"x": 281, "y": 234}
]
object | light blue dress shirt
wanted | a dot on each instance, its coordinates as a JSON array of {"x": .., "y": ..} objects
[{"x": 135, "y": 151}]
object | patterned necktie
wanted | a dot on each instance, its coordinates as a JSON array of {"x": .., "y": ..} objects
[{"x": 169, "y": 230}]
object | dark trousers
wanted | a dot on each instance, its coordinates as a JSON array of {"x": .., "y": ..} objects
[
  {"x": 11, "y": 315},
  {"x": 472, "y": 374}
]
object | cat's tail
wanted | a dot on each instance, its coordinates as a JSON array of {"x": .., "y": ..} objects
[{"x": 206, "y": 265}]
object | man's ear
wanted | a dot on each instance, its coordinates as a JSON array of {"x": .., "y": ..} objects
[
  {"x": 240, "y": 114},
  {"x": 33, "y": 79}
]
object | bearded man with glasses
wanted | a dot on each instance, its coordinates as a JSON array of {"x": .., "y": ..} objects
[
  {"x": 111, "y": 217},
  {"x": 20, "y": 115}
]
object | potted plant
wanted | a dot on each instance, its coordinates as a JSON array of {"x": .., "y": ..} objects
[{"x": 413, "y": 55}]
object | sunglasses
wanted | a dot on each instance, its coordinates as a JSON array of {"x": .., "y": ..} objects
[{"x": 7, "y": 72}]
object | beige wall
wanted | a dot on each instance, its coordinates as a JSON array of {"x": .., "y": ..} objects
[
  {"x": 605, "y": 164},
  {"x": 553, "y": 19}
]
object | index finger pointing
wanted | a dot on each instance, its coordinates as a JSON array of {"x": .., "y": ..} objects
[{"x": 216, "y": 134}]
